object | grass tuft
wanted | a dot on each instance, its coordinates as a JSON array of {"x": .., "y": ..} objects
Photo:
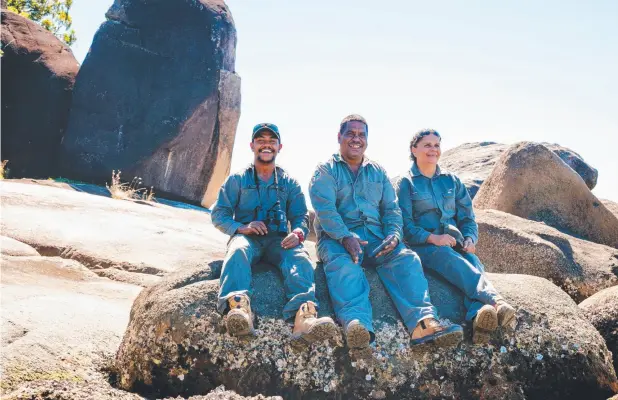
[
  {"x": 129, "y": 191},
  {"x": 4, "y": 172}
]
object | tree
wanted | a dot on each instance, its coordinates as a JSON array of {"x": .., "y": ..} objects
[{"x": 53, "y": 15}]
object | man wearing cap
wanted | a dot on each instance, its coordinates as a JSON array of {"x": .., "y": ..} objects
[
  {"x": 253, "y": 208},
  {"x": 356, "y": 209}
]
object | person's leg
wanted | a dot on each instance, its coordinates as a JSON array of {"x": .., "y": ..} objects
[
  {"x": 459, "y": 271},
  {"x": 402, "y": 275},
  {"x": 297, "y": 271},
  {"x": 235, "y": 280},
  {"x": 473, "y": 306},
  {"x": 349, "y": 292}
]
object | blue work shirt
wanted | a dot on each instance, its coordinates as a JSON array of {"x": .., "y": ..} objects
[
  {"x": 343, "y": 201},
  {"x": 239, "y": 199},
  {"x": 428, "y": 203}
]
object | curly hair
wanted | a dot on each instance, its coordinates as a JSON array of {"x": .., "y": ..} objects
[
  {"x": 417, "y": 138},
  {"x": 352, "y": 117}
]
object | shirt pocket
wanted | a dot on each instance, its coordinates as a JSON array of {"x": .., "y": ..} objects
[
  {"x": 249, "y": 199},
  {"x": 373, "y": 192},
  {"x": 448, "y": 201},
  {"x": 422, "y": 203}
]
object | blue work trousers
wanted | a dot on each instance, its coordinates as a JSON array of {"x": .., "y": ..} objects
[
  {"x": 400, "y": 271},
  {"x": 243, "y": 251},
  {"x": 464, "y": 270}
]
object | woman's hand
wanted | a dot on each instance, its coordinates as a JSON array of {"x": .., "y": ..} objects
[
  {"x": 442, "y": 240},
  {"x": 469, "y": 246}
]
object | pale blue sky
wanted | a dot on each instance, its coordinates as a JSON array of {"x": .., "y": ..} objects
[{"x": 473, "y": 70}]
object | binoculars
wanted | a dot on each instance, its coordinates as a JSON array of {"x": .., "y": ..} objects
[{"x": 275, "y": 220}]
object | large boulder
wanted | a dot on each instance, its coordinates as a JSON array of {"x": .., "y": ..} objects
[
  {"x": 158, "y": 97},
  {"x": 473, "y": 162},
  {"x": 532, "y": 182},
  {"x": 175, "y": 344},
  {"x": 611, "y": 206},
  {"x": 38, "y": 74},
  {"x": 510, "y": 244},
  {"x": 602, "y": 312}
]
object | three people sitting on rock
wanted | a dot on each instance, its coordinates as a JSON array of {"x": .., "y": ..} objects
[{"x": 358, "y": 213}]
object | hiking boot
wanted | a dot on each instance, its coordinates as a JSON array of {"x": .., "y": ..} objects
[
  {"x": 309, "y": 328},
  {"x": 239, "y": 320},
  {"x": 431, "y": 331},
  {"x": 485, "y": 322},
  {"x": 506, "y": 313},
  {"x": 356, "y": 335}
]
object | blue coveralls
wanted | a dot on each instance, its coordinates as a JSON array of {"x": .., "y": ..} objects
[
  {"x": 237, "y": 205},
  {"x": 364, "y": 205},
  {"x": 426, "y": 205}
]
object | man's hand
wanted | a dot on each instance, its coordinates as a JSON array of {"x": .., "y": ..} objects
[
  {"x": 353, "y": 245},
  {"x": 253, "y": 228},
  {"x": 290, "y": 241},
  {"x": 442, "y": 240},
  {"x": 390, "y": 247},
  {"x": 469, "y": 246}
]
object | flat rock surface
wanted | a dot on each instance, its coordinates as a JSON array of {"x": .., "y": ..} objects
[
  {"x": 12, "y": 247},
  {"x": 60, "y": 321},
  {"x": 104, "y": 233}
]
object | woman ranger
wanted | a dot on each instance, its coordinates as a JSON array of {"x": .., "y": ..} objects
[{"x": 439, "y": 225}]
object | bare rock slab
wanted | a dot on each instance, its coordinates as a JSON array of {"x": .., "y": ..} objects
[
  {"x": 510, "y": 244},
  {"x": 60, "y": 321},
  {"x": 176, "y": 344},
  {"x": 158, "y": 97},
  {"x": 104, "y": 233},
  {"x": 12, "y": 247},
  {"x": 530, "y": 181},
  {"x": 602, "y": 312}
]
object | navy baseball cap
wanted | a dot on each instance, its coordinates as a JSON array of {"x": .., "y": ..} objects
[{"x": 272, "y": 128}]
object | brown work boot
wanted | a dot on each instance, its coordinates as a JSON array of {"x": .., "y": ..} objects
[
  {"x": 239, "y": 321},
  {"x": 309, "y": 328},
  {"x": 356, "y": 335},
  {"x": 429, "y": 330},
  {"x": 506, "y": 313},
  {"x": 485, "y": 322}
]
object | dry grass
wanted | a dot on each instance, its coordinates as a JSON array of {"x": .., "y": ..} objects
[
  {"x": 129, "y": 191},
  {"x": 3, "y": 171}
]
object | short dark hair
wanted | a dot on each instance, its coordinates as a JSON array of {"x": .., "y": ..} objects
[
  {"x": 350, "y": 118},
  {"x": 417, "y": 138}
]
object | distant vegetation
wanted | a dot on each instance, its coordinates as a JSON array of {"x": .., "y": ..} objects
[{"x": 52, "y": 15}]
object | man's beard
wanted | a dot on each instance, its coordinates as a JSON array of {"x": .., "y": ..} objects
[{"x": 272, "y": 160}]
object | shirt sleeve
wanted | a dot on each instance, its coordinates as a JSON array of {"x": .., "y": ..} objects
[
  {"x": 412, "y": 234},
  {"x": 297, "y": 208},
  {"x": 389, "y": 209},
  {"x": 323, "y": 195},
  {"x": 466, "y": 221},
  {"x": 223, "y": 209}
]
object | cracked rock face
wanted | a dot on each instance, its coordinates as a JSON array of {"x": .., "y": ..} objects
[
  {"x": 158, "y": 97},
  {"x": 176, "y": 344}
]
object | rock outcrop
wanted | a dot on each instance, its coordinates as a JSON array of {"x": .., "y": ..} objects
[
  {"x": 473, "y": 162},
  {"x": 513, "y": 245},
  {"x": 60, "y": 321},
  {"x": 533, "y": 183},
  {"x": 38, "y": 74},
  {"x": 602, "y": 312},
  {"x": 176, "y": 345},
  {"x": 158, "y": 97}
]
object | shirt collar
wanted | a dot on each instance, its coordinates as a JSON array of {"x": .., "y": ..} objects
[
  {"x": 339, "y": 158},
  {"x": 417, "y": 172}
]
